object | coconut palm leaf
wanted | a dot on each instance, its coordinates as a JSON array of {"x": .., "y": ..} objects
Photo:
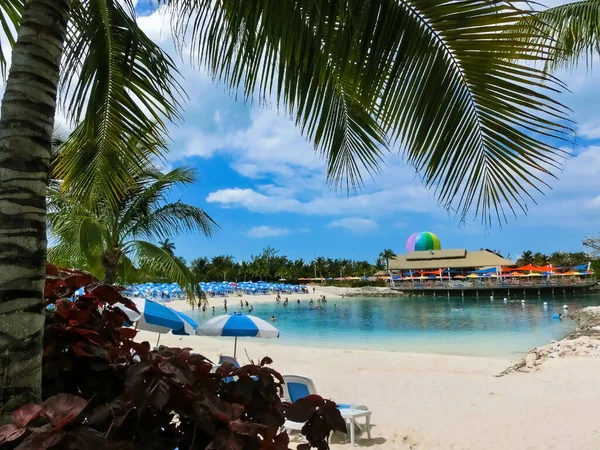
[
  {"x": 449, "y": 83},
  {"x": 10, "y": 19},
  {"x": 172, "y": 219},
  {"x": 155, "y": 259},
  {"x": 149, "y": 214},
  {"x": 118, "y": 86},
  {"x": 572, "y": 31},
  {"x": 128, "y": 272}
]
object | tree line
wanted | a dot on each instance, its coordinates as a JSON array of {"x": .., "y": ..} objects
[
  {"x": 271, "y": 265},
  {"x": 557, "y": 259}
]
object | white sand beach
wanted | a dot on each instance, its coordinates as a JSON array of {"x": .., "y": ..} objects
[
  {"x": 330, "y": 292},
  {"x": 426, "y": 401}
]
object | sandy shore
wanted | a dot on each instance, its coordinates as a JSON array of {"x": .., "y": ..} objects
[
  {"x": 422, "y": 401},
  {"x": 330, "y": 292}
]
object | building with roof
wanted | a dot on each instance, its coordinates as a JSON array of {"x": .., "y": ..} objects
[{"x": 460, "y": 259}]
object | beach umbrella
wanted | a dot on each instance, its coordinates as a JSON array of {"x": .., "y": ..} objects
[
  {"x": 189, "y": 325},
  {"x": 158, "y": 318},
  {"x": 237, "y": 325}
]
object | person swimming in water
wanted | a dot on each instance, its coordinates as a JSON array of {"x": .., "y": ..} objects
[{"x": 273, "y": 319}]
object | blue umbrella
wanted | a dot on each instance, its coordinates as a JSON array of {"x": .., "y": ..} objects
[
  {"x": 236, "y": 326},
  {"x": 156, "y": 317},
  {"x": 189, "y": 326}
]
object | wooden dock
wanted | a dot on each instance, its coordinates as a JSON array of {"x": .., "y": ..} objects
[{"x": 450, "y": 289}]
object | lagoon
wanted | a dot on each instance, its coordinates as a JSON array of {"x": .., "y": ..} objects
[{"x": 421, "y": 324}]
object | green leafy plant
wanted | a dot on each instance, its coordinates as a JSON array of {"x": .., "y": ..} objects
[
  {"x": 103, "y": 390},
  {"x": 112, "y": 240}
]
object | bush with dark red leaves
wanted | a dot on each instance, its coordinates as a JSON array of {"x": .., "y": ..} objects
[{"x": 103, "y": 390}]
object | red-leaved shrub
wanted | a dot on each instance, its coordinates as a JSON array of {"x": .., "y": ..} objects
[{"x": 104, "y": 391}]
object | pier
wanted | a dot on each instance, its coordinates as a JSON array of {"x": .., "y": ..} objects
[{"x": 457, "y": 288}]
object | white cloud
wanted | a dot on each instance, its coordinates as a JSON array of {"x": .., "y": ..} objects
[
  {"x": 590, "y": 130},
  {"x": 269, "y": 146},
  {"x": 158, "y": 28},
  {"x": 574, "y": 200},
  {"x": 405, "y": 198},
  {"x": 266, "y": 231},
  {"x": 355, "y": 224}
]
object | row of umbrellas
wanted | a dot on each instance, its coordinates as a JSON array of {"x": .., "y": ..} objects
[
  {"x": 491, "y": 275},
  {"x": 250, "y": 287},
  {"x": 155, "y": 290},
  {"x": 159, "y": 318}
]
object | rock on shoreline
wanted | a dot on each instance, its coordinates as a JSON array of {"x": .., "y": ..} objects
[
  {"x": 584, "y": 341},
  {"x": 367, "y": 291}
]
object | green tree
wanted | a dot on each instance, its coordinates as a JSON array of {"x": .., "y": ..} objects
[
  {"x": 540, "y": 259},
  {"x": 200, "y": 268},
  {"x": 559, "y": 259},
  {"x": 167, "y": 246},
  {"x": 450, "y": 89},
  {"x": 113, "y": 239},
  {"x": 221, "y": 267},
  {"x": 526, "y": 258},
  {"x": 387, "y": 254},
  {"x": 570, "y": 31}
]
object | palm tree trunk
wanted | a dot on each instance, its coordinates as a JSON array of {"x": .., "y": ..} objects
[
  {"x": 111, "y": 261},
  {"x": 110, "y": 274},
  {"x": 26, "y": 125}
]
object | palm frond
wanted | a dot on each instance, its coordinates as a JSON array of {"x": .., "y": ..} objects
[
  {"x": 441, "y": 80},
  {"x": 80, "y": 237},
  {"x": 172, "y": 219},
  {"x": 10, "y": 19},
  {"x": 150, "y": 191},
  {"x": 572, "y": 31},
  {"x": 128, "y": 272},
  {"x": 157, "y": 260},
  {"x": 119, "y": 86},
  {"x": 92, "y": 240}
]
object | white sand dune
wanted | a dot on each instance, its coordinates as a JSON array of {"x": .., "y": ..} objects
[{"x": 426, "y": 401}]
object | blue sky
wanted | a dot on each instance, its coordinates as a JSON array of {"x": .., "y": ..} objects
[{"x": 264, "y": 185}]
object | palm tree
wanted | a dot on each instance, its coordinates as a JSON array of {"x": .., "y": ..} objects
[
  {"x": 571, "y": 31},
  {"x": 112, "y": 239},
  {"x": 449, "y": 89},
  {"x": 167, "y": 246},
  {"x": 540, "y": 259},
  {"x": 387, "y": 254},
  {"x": 526, "y": 258}
]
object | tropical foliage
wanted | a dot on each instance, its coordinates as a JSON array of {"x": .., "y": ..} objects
[
  {"x": 114, "y": 240},
  {"x": 386, "y": 255},
  {"x": 571, "y": 32},
  {"x": 102, "y": 389},
  {"x": 557, "y": 259},
  {"x": 450, "y": 88},
  {"x": 269, "y": 265},
  {"x": 450, "y": 83},
  {"x": 167, "y": 246}
]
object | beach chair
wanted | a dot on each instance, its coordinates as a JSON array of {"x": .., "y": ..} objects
[
  {"x": 223, "y": 359},
  {"x": 298, "y": 386},
  {"x": 227, "y": 360}
]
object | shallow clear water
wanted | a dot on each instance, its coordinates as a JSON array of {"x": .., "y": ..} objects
[{"x": 420, "y": 324}]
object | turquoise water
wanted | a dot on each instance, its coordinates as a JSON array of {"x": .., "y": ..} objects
[{"x": 420, "y": 324}]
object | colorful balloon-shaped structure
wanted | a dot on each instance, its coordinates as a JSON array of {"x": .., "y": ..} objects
[{"x": 423, "y": 241}]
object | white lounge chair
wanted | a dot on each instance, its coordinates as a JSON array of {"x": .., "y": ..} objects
[{"x": 298, "y": 386}]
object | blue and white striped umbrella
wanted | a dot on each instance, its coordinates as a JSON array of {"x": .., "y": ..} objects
[
  {"x": 189, "y": 326},
  {"x": 238, "y": 325},
  {"x": 156, "y": 317}
]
